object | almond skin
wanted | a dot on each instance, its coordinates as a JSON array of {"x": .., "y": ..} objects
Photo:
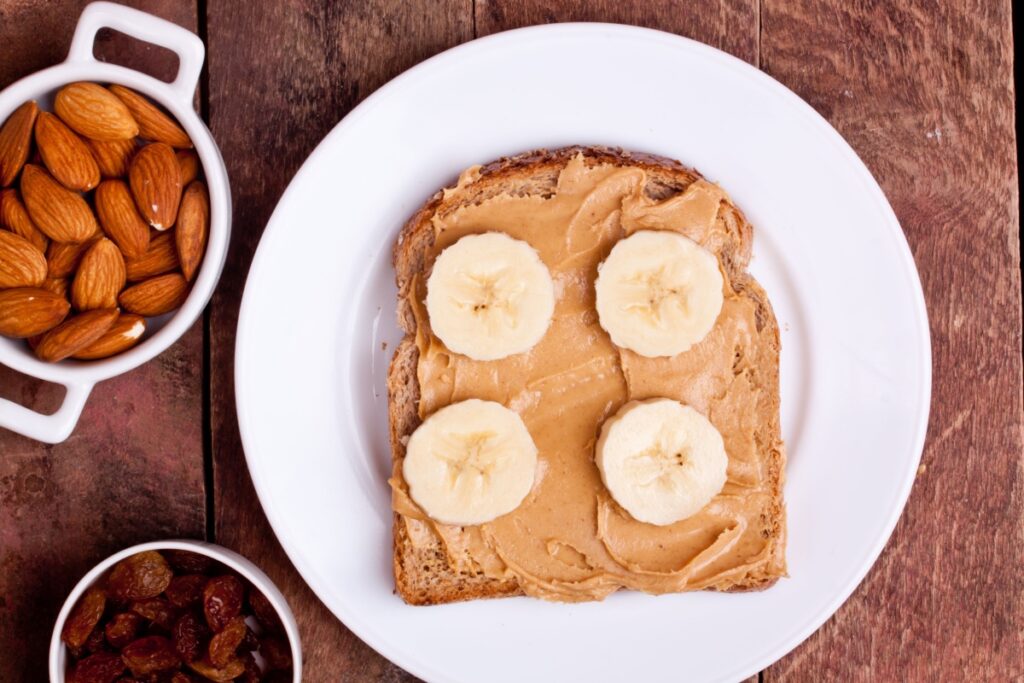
[
  {"x": 28, "y": 311},
  {"x": 160, "y": 258},
  {"x": 21, "y": 263},
  {"x": 119, "y": 218},
  {"x": 15, "y": 141},
  {"x": 114, "y": 156},
  {"x": 62, "y": 258},
  {"x": 57, "y": 285},
  {"x": 95, "y": 112},
  {"x": 74, "y": 334},
  {"x": 14, "y": 216},
  {"x": 193, "y": 228},
  {"x": 125, "y": 333},
  {"x": 154, "y": 124},
  {"x": 100, "y": 277},
  {"x": 68, "y": 159},
  {"x": 155, "y": 179},
  {"x": 155, "y": 296},
  {"x": 188, "y": 161},
  {"x": 61, "y": 214}
]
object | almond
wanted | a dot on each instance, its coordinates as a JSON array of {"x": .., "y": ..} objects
[
  {"x": 15, "y": 141},
  {"x": 188, "y": 160},
  {"x": 75, "y": 334},
  {"x": 113, "y": 156},
  {"x": 15, "y": 218},
  {"x": 126, "y": 331},
  {"x": 28, "y": 311},
  {"x": 57, "y": 285},
  {"x": 160, "y": 258},
  {"x": 62, "y": 258},
  {"x": 95, "y": 112},
  {"x": 155, "y": 179},
  {"x": 100, "y": 277},
  {"x": 65, "y": 155},
  {"x": 21, "y": 263},
  {"x": 60, "y": 213},
  {"x": 154, "y": 124},
  {"x": 192, "y": 228},
  {"x": 155, "y": 296},
  {"x": 120, "y": 219}
]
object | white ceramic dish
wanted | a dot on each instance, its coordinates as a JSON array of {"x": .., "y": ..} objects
[
  {"x": 320, "y": 303},
  {"x": 245, "y": 568},
  {"x": 80, "y": 376}
]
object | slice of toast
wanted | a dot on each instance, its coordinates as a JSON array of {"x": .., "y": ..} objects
[{"x": 423, "y": 573}]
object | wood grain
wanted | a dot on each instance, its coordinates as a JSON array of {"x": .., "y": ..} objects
[
  {"x": 924, "y": 92},
  {"x": 729, "y": 25},
  {"x": 133, "y": 469},
  {"x": 281, "y": 76}
]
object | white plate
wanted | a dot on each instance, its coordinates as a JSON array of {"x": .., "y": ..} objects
[{"x": 320, "y": 302}]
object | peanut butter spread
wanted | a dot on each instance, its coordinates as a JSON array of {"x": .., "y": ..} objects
[{"x": 569, "y": 540}]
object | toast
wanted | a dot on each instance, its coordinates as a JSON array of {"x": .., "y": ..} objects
[{"x": 424, "y": 573}]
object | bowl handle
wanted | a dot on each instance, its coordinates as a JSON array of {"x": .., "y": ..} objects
[
  {"x": 145, "y": 27},
  {"x": 46, "y": 428}
]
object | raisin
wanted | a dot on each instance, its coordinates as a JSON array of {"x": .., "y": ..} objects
[
  {"x": 96, "y": 642},
  {"x": 230, "y": 672},
  {"x": 186, "y": 590},
  {"x": 103, "y": 667},
  {"x": 276, "y": 652},
  {"x": 182, "y": 677},
  {"x": 186, "y": 562},
  {"x": 222, "y": 600},
  {"x": 264, "y": 612},
  {"x": 84, "y": 617},
  {"x": 122, "y": 629},
  {"x": 141, "y": 576},
  {"x": 156, "y": 610},
  {"x": 189, "y": 634},
  {"x": 150, "y": 655},
  {"x": 279, "y": 676},
  {"x": 224, "y": 644}
]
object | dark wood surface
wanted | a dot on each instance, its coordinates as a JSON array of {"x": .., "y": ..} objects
[{"x": 923, "y": 91}]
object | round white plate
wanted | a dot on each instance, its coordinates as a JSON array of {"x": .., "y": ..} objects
[{"x": 319, "y": 306}]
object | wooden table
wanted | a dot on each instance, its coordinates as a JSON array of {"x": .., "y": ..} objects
[{"x": 925, "y": 95}]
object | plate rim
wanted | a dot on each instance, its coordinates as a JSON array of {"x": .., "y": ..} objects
[{"x": 407, "y": 659}]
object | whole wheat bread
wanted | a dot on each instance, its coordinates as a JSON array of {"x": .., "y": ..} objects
[{"x": 423, "y": 574}]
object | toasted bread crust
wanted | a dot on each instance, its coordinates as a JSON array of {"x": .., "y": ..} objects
[{"x": 423, "y": 574}]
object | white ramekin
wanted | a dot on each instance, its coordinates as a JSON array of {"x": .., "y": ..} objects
[
  {"x": 80, "y": 376},
  {"x": 259, "y": 580}
]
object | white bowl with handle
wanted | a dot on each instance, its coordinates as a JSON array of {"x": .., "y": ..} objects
[
  {"x": 58, "y": 659},
  {"x": 79, "y": 377}
]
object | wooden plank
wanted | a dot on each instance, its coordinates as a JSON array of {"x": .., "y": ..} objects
[
  {"x": 924, "y": 92},
  {"x": 281, "y": 76},
  {"x": 133, "y": 469},
  {"x": 729, "y": 25}
]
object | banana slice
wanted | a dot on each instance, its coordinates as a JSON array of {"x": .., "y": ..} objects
[
  {"x": 661, "y": 460},
  {"x": 470, "y": 462},
  {"x": 490, "y": 296},
  {"x": 658, "y": 293}
]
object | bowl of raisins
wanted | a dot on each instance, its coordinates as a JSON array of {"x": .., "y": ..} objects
[{"x": 176, "y": 612}]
